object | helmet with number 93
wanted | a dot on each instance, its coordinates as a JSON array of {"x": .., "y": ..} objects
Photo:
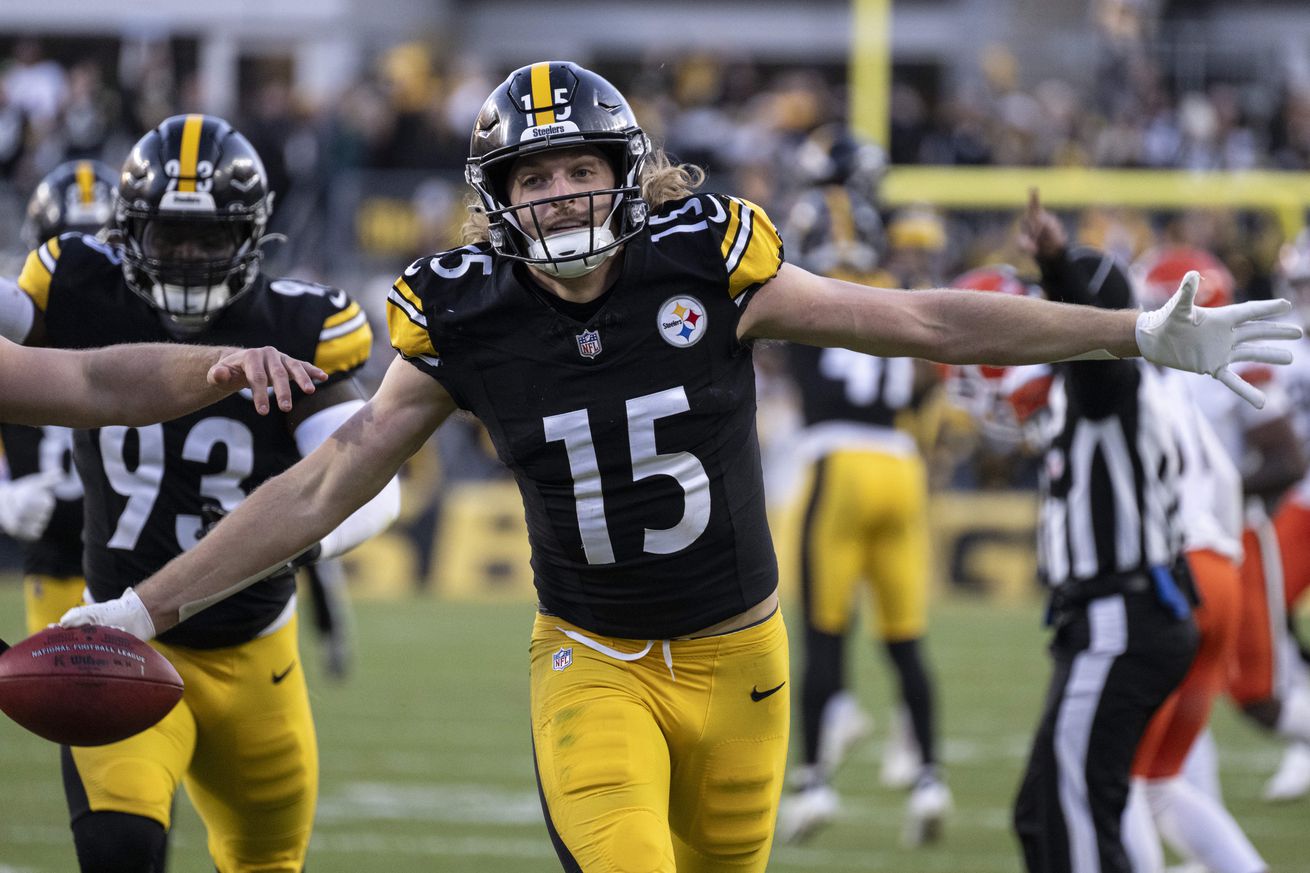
[
  {"x": 555, "y": 105},
  {"x": 193, "y": 203},
  {"x": 76, "y": 196},
  {"x": 1158, "y": 273}
]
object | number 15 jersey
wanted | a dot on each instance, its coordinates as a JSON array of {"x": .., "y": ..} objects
[{"x": 631, "y": 435}]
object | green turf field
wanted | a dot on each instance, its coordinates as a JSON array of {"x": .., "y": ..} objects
[{"x": 426, "y": 767}]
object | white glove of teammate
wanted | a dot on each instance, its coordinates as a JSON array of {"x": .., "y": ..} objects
[
  {"x": 26, "y": 504},
  {"x": 1207, "y": 339},
  {"x": 125, "y": 612}
]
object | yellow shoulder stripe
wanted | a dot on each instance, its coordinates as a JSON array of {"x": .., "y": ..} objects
[
  {"x": 345, "y": 341},
  {"x": 752, "y": 248},
  {"x": 38, "y": 271},
  {"x": 343, "y": 316},
  {"x": 407, "y": 324}
]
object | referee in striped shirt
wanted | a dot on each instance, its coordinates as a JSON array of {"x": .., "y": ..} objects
[{"x": 1120, "y": 598}]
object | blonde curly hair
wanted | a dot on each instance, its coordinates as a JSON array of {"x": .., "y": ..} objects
[{"x": 661, "y": 182}]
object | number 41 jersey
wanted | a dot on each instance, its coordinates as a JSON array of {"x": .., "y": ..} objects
[{"x": 632, "y": 435}]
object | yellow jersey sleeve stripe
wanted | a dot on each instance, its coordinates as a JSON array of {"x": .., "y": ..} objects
[
  {"x": 49, "y": 252},
  {"x": 38, "y": 271},
  {"x": 340, "y": 352},
  {"x": 189, "y": 155},
  {"x": 403, "y": 296},
  {"x": 754, "y": 254},
  {"x": 86, "y": 178},
  {"x": 343, "y": 327},
  {"x": 343, "y": 316},
  {"x": 734, "y": 224},
  {"x": 543, "y": 100},
  {"x": 408, "y": 326}
]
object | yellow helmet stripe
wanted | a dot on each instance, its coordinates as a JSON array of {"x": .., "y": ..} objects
[
  {"x": 190, "y": 152},
  {"x": 86, "y": 179},
  {"x": 840, "y": 213},
  {"x": 542, "y": 96}
]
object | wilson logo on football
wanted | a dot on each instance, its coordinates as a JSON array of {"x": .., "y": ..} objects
[{"x": 682, "y": 321}]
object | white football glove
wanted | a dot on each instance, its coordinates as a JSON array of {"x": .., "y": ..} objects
[
  {"x": 26, "y": 504},
  {"x": 1208, "y": 339},
  {"x": 125, "y": 612}
]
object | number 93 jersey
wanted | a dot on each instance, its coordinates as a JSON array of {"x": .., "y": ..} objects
[
  {"x": 145, "y": 486},
  {"x": 632, "y": 434}
]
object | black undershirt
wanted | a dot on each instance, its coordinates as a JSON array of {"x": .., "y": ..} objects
[{"x": 580, "y": 312}]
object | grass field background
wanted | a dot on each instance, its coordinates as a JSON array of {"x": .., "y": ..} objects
[{"x": 426, "y": 763}]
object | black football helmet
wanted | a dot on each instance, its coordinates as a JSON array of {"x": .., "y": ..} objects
[
  {"x": 833, "y": 154},
  {"x": 193, "y": 203},
  {"x": 554, "y": 105},
  {"x": 76, "y": 196}
]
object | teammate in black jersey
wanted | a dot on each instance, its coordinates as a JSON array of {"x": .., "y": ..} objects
[
  {"x": 192, "y": 205},
  {"x": 602, "y": 331},
  {"x": 41, "y": 505},
  {"x": 864, "y": 519}
]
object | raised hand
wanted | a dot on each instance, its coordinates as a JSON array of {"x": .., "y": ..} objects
[
  {"x": 1208, "y": 340},
  {"x": 1040, "y": 233}
]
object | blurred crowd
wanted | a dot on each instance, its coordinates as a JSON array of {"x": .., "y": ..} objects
[
  {"x": 371, "y": 179},
  {"x": 740, "y": 117}
]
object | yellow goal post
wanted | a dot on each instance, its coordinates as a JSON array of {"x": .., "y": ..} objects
[{"x": 1286, "y": 195}]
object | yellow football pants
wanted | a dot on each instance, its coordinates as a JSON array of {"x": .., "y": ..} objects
[
  {"x": 669, "y": 761},
  {"x": 49, "y": 597},
  {"x": 242, "y": 739},
  {"x": 866, "y": 519}
]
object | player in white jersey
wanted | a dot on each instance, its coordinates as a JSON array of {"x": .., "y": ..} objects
[
  {"x": 1263, "y": 446},
  {"x": 1292, "y": 518}
]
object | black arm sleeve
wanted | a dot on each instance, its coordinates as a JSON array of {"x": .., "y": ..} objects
[
  {"x": 1061, "y": 280},
  {"x": 1097, "y": 387}
]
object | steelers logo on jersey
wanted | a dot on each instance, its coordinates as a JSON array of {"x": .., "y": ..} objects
[{"x": 682, "y": 321}]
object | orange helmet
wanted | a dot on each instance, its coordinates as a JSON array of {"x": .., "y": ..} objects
[{"x": 1158, "y": 273}]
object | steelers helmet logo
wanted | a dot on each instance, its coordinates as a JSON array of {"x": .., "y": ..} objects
[{"x": 682, "y": 321}]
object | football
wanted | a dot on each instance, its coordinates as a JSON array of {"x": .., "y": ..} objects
[{"x": 86, "y": 686}]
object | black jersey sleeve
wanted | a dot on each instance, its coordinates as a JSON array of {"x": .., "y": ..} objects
[
  {"x": 344, "y": 337},
  {"x": 1098, "y": 387},
  {"x": 431, "y": 292}
]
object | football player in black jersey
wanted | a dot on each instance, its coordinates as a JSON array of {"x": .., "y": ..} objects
[
  {"x": 602, "y": 331},
  {"x": 864, "y": 516},
  {"x": 192, "y": 206},
  {"x": 41, "y": 506}
]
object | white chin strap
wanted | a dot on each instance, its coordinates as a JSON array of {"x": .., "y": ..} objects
[{"x": 569, "y": 254}]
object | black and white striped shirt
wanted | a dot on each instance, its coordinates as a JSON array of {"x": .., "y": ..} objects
[{"x": 1110, "y": 482}]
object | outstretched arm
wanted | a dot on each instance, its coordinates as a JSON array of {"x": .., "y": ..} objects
[
  {"x": 946, "y": 325},
  {"x": 965, "y": 327},
  {"x": 289, "y": 512},
  {"x": 139, "y": 384}
]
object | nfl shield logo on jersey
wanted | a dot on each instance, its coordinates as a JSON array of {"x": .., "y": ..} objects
[
  {"x": 588, "y": 347},
  {"x": 563, "y": 658}
]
